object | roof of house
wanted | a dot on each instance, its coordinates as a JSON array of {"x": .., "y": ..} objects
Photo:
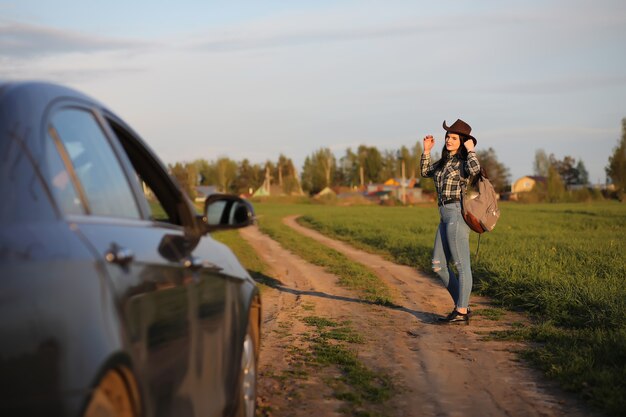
[
  {"x": 408, "y": 182},
  {"x": 206, "y": 190},
  {"x": 534, "y": 177},
  {"x": 325, "y": 191}
]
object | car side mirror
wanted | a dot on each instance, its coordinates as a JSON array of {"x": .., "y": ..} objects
[{"x": 224, "y": 212}]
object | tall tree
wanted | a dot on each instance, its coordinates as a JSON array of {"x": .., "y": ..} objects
[
  {"x": 371, "y": 162},
  {"x": 249, "y": 177},
  {"x": 186, "y": 175},
  {"x": 307, "y": 176},
  {"x": 542, "y": 163},
  {"x": 403, "y": 156},
  {"x": 498, "y": 173},
  {"x": 566, "y": 169},
  {"x": 362, "y": 155},
  {"x": 417, "y": 155},
  {"x": 204, "y": 170},
  {"x": 389, "y": 167},
  {"x": 268, "y": 173},
  {"x": 426, "y": 184},
  {"x": 348, "y": 169},
  {"x": 555, "y": 187},
  {"x": 318, "y": 170},
  {"x": 583, "y": 175},
  {"x": 616, "y": 169},
  {"x": 287, "y": 177},
  {"x": 328, "y": 163},
  {"x": 571, "y": 172},
  {"x": 281, "y": 169},
  {"x": 225, "y": 172}
]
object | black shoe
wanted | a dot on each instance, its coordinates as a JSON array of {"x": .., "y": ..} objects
[
  {"x": 448, "y": 316},
  {"x": 456, "y": 317},
  {"x": 453, "y": 313}
]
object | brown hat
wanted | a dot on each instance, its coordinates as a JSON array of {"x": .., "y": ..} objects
[{"x": 460, "y": 128}]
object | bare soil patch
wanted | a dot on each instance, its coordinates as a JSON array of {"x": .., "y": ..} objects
[{"x": 437, "y": 370}]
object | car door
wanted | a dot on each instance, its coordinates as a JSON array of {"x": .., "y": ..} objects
[
  {"x": 146, "y": 271},
  {"x": 213, "y": 281}
]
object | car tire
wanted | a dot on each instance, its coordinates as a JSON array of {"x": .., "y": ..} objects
[{"x": 246, "y": 401}]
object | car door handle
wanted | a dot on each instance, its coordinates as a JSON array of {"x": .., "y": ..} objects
[
  {"x": 119, "y": 255},
  {"x": 193, "y": 262}
]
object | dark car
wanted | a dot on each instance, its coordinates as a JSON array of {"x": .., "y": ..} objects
[{"x": 114, "y": 298}]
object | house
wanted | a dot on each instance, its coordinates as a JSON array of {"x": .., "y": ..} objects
[
  {"x": 526, "y": 183},
  {"x": 203, "y": 191},
  {"x": 411, "y": 193},
  {"x": 265, "y": 191},
  {"x": 397, "y": 182},
  {"x": 392, "y": 188},
  {"x": 326, "y": 192}
]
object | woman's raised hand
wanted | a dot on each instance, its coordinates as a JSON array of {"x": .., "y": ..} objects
[{"x": 429, "y": 142}]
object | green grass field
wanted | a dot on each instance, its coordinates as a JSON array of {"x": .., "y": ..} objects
[{"x": 565, "y": 264}]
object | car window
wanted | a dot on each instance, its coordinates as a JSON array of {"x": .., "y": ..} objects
[
  {"x": 60, "y": 180},
  {"x": 100, "y": 174},
  {"x": 163, "y": 206},
  {"x": 157, "y": 212}
]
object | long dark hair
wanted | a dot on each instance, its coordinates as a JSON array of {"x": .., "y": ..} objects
[{"x": 461, "y": 153}]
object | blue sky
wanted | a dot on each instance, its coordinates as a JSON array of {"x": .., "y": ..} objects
[{"x": 204, "y": 79}]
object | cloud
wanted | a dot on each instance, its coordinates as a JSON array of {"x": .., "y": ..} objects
[
  {"x": 21, "y": 40},
  {"x": 366, "y": 24},
  {"x": 242, "y": 40},
  {"x": 559, "y": 86},
  {"x": 41, "y": 52},
  {"x": 64, "y": 75},
  {"x": 554, "y": 132},
  {"x": 570, "y": 84}
]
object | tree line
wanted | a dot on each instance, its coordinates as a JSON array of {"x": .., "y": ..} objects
[
  {"x": 568, "y": 180},
  {"x": 559, "y": 180},
  {"x": 356, "y": 168},
  {"x": 616, "y": 169}
]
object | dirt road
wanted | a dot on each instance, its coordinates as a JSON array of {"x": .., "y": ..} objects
[{"x": 437, "y": 370}]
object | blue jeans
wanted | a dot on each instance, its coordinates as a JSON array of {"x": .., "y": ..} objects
[{"x": 452, "y": 249}]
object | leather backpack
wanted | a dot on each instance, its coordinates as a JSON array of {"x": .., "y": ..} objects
[{"x": 481, "y": 213}]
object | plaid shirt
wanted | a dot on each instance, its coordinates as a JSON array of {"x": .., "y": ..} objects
[{"x": 447, "y": 177}]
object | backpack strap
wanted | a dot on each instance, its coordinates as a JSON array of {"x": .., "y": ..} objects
[
  {"x": 464, "y": 180},
  {"x": 463, "y": 195}
]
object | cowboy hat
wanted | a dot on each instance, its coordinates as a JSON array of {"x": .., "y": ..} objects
[{"x": 460, "y": 128}]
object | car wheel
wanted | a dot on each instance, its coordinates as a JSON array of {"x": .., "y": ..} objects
[
  {"x": 246, "y": 404},
  {"x": 115, "y": 395}
]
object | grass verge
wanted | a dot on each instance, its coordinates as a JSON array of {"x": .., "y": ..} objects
[{"x": 247, "y": 256}]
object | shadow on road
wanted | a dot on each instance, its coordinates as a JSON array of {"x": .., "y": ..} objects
[{"x": 423, "y": 316}]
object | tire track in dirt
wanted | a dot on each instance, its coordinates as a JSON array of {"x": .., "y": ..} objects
[{"x": 439, "y": 370}]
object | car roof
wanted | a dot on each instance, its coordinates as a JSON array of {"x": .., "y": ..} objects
[
  {"x": 41, "y": 88},
  {"x": 3, "y": 85},
  {"x": 23, "y": 106}
]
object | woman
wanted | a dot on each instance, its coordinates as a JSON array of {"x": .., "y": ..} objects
[{"x": 458, "y": 162}]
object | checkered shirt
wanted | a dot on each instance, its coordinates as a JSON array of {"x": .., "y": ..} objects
[{"x": 447, "y": 176}]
